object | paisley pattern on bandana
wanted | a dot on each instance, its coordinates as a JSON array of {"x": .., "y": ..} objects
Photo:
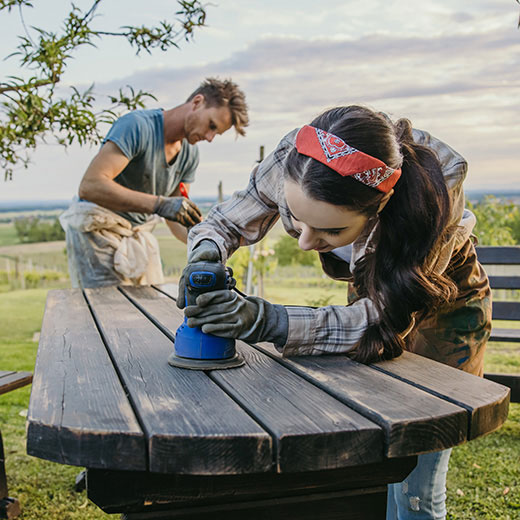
[
  {"x": 344, "y": 159},
  {"x": 373, "y": 177},
  {"x": 333, "y": 147}
]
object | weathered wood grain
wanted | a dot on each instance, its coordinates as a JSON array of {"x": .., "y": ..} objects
[
  {"x": 79, "y": 413},
  {"x": 311, "y": 429},
  {"x": 414, "y": 421},
  {"x": 487, "y": 403},
  {"x": 192, "y": 426}
]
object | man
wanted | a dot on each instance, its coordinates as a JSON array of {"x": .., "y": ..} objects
[{"x": 136, "y": 178}]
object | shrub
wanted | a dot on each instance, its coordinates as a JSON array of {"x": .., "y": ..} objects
[
  {"x": 33, "y": 229},
  {"x": 288, "y": 252}
]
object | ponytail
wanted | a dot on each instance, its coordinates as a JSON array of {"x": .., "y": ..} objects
[{"x": 396, "y": 274}]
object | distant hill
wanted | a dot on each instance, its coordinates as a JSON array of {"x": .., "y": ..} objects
[
  {"x": 11, "y": 206},
  {"x": 32, "y": 205},
  {"x": 477, "y": 195}
]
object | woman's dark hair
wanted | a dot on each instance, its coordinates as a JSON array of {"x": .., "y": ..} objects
[{"x": 394, "y": 272}]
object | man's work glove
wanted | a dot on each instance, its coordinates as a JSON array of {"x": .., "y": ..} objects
[
  {"x": 207, "y": 251},
  {"x": 226, "y": 314},
  {"x": 178, "y": 209}
]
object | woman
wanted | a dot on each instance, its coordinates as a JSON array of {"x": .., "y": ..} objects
[{"x": 384, "y": 207}]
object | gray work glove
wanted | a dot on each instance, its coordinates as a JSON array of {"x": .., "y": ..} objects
[
  {"x": 226, "y": 314},
  {"x": 206, "y": 250},
  {"x": 178, "y": 209}
]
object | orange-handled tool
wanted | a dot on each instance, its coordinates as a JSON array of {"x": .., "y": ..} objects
[{"x": 183, "y": 190}]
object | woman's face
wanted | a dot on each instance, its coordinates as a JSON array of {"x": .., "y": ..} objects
[{"x": 322, "y": 226}]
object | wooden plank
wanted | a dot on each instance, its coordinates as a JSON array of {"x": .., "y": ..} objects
[
  {"x": 192, "y": 426},
  {"x": 414, "y": 421},
  {"x": 12, "y": 380},
  {"x": 512, "y": 381},
  {"x": 78, "y": 412},
  {"x": 486, "y": 402},
  {"x": 123, "y": 491},
  {"x": 504, "y": 282},
  {"x": 512, "y": 335},
  {"x": 498, "y": 255},
  {"x": 312, "y": 430},
  {"x": 506, "y": 310}
]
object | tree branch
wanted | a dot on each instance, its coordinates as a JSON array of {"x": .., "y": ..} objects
[{"x": 29, "y": 114}]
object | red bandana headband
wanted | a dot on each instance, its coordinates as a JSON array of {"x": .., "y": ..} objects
[{"x": 344, "y": 159}]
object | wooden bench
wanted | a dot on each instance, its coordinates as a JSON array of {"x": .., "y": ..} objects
[
  {"x": 504, "y": 310},
  {"x": 9, "y": 507}
]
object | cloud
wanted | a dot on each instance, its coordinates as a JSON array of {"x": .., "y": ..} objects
[{"x": 462, "y": 86}]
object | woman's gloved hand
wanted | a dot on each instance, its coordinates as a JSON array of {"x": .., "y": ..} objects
[
  {"x": 226, "y": 314},
  {"x": 206, "y": 250},
  {"x": 178, "y": 209}
]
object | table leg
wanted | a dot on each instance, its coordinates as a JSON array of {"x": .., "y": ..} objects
[{"x": 9, "y": 507}]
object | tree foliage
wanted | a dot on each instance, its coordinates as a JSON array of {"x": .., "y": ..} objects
[
  {"x": 34, "y": 229},
  {"x": 498, "y": 222},
  {"x": 288, "y": 252},
  {"x": 32, "y": 107}
]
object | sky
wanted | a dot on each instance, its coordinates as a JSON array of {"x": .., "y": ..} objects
[{"x": 452, "y": 67}]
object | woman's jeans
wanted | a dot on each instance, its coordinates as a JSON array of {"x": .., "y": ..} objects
[{"x": 421, "y": 495}]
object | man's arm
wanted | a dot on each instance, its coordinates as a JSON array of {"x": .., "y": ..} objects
[
  {"x": 98, "y": 183},
  {"x": 179, "y": 231}
]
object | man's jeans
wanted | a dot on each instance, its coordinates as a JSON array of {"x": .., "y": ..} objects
[{"x": 421, "y": 495}]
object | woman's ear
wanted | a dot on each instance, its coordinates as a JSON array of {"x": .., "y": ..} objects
[{"x": 384, "y": 200}]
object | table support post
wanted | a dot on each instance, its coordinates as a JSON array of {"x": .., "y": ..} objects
[
  {"x": 352, "y": 504},
  {"x": 352, "y": 493},
  {"x": 9, "y": 507}
]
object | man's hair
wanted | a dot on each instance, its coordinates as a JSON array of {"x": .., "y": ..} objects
[{"x": 219, "y": 93}]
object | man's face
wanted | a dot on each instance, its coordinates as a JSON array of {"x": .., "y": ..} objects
[{"x": 203, "y": 123}]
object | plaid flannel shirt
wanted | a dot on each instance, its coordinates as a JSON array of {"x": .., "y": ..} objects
[{"x": 247, "y": 217}]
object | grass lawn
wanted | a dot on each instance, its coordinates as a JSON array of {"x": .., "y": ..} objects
[
  {"x": 8, "y": 234},
  {"x": 484, "y": 477}
]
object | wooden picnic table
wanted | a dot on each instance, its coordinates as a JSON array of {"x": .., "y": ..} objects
[{"x": 307, "y": 437}]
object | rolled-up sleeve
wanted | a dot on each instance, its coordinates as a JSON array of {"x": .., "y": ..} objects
[{"x": 327, "y": 330}]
